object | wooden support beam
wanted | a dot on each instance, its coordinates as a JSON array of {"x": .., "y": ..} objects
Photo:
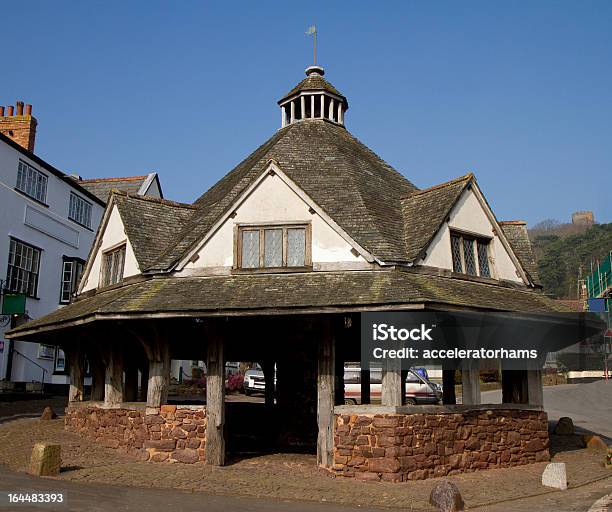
[
  {"x": 131, "y": 382},
  {"x": 325, "y": 396},
  {"x": 339, "y": 372},
  {"x": 470, "y": 384},
  {"x": 267, "y": 366},
  {"x": 215, "y": 401},
  {"x": 113, "y": 384},
  {"x": 448, "y": 387},
  {"x": 144, "y": 381},
  {"x": 98, "y": 377},
  {"x": 365, "y": 386},
  {"x": 159, "y": 373},
  {"x": 77, "y": 373},
  {"x": 535, "y": 387},
  {"x": 392, "y": 387}
]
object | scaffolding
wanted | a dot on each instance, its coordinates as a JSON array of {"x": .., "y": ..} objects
[{"x": 598, "y": 286}]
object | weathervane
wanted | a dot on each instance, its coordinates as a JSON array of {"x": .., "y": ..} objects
[{"x": 312, "y": 31}]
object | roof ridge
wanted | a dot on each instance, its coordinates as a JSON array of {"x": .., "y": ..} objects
[
  {"x": 512, "y": 222},
  {"x": 126, "y": 178},
  {"x": 467, "y": 176},
  {"x": 158, "y": 200}
]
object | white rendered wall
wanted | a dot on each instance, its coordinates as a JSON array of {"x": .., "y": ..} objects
[
  {"x": 49, "y": 229},
  {"x": 112, "y": 236},
  {"x": 469, "y": 215},
  {"x": 274, "y": 201}
]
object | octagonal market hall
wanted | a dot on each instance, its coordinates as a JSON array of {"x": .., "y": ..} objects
[{"x": 274, "y": 264}]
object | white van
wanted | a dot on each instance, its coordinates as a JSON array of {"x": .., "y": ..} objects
[{"x": 419, "y": 390}]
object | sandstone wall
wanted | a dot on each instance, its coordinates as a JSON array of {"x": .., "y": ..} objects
[
  {"x": 397, "y": 447},
  {"x": 171, "y": 434}
]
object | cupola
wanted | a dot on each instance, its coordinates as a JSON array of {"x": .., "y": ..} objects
[{"x": 313, "y": 98}]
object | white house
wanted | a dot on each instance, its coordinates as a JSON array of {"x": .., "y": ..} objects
[{"x": 48, "y": 221}]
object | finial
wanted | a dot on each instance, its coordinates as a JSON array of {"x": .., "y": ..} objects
[{"x": 315, "y": 70}]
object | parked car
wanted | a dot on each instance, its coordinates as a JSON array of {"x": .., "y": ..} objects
[
  {"x": 254, "y": 381},
  {"x": 419, "y": 389}
]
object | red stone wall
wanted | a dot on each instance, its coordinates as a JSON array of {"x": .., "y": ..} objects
[
  {"x": 170, "y": 435},
  {"x": 398, "y": 447}
]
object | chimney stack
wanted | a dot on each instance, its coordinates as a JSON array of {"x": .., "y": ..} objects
[{"x": 20, "y": 127}]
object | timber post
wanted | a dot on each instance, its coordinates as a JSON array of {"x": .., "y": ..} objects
[
  {"x": 77, "y": 373},
  {"x": 159, "y": 373},
  {"x": 448, "y": 385},
  {"x": 325, "y": 396},
  {"x": 365, "y": 385},
  {"x": 144, "y": 381},
  {"x": 131, "y": 382},
  {"x": 470, "y": 383},
  {"x": 113, "y": 383},
  {"x": 215, "y": 400},
  {"x": 392, "y": 387}
]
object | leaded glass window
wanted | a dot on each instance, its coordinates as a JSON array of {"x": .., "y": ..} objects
[
  {"x": 114, "y": 261},
  {"x": 468, "y": 256},
  {"x": 250, "y": 249},
  {"x": 296, "y": 247},
  {"x": 273, "y": 247},
  {"x": 483, "y": 258},
  {"x": 456, "y": 250}
]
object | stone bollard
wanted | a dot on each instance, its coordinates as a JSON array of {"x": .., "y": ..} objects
[
  {"x": 565, "y": 427},
  {"x": 48, "y": 414},
  {"x": 445, "y": 497},
  {"x": 46, "y": 459},
  {"x": 555, "y": 476}
]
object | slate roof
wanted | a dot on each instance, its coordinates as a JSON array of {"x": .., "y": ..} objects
[
  {"x": 424, "y": 211},
  {"x": 102, "y": 187},
  {"x": 161, "y": 217},
  {"x": 287, "y": 292},
  {"x": 516, "y": 233},
  {"x": 313, "y": 82},
  {"x": 355, "y": 187}
]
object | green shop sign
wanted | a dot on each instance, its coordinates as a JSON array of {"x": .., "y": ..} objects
[{"x": 13, "y": 304}]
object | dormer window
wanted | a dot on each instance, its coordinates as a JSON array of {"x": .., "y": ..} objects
[
  {"x": 113, "y": 262},
  {"x": 470, "y": 254},
  {"x": 273, "y": 246}
]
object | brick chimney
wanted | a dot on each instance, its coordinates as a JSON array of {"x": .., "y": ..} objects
[{"x": 19, "y": 126}]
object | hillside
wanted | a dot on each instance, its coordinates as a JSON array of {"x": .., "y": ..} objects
[{"x": 565, "y": 252}]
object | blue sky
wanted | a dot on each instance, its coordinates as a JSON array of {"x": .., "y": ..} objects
[{"x": 518, "y": 92}]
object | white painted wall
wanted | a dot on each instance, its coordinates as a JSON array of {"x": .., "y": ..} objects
[
  {"x": 112, "y": 236},
  {"x": 274, "y": 201},
  {"x": 48, "y": 228},
  {"x": 469, "y": 215}
]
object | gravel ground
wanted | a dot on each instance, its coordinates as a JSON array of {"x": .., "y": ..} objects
[{"x": 280, "y": 476}]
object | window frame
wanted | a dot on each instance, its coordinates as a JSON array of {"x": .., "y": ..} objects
[
  {"x": 104, "y": 264},
  {"x": 57, "y": 369},
  {"x": 239, "y": 228},
  {"x": 84, "y": 205},
  {"x": 74, "y": 281},
  {"x": 36, "y": 273},
  {"x": 24, "y": 189},
  {"x": 476, "y": 240}
]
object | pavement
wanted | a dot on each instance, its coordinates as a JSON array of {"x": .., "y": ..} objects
[
  {"x": 589, "y": 405},
  {"x": 79, "y": 497}
]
